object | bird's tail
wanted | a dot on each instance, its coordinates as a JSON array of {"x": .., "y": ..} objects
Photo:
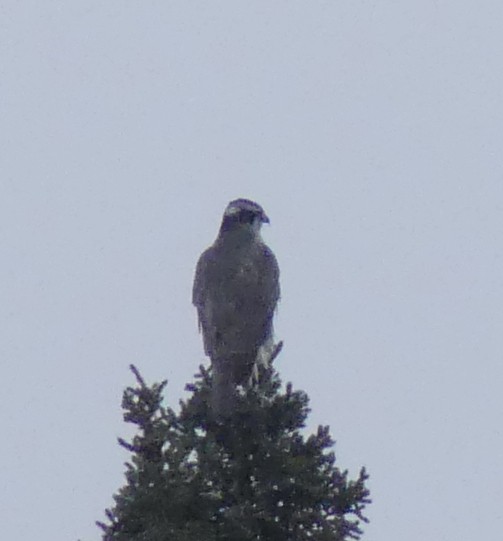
[
  {"x": 228, "y": 373},
  {"x": 222, "y": 391}
]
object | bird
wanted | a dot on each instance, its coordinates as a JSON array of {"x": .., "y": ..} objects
[{"x": 236, "y": 290}]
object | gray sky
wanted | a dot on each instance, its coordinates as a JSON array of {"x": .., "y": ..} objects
[{"x": 370, "y": 131}]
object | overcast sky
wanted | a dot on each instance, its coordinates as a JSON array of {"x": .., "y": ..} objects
[{"x": 371, "y": 133}]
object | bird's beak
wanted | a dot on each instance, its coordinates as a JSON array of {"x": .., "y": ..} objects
[{"x": 265, "y": 218}]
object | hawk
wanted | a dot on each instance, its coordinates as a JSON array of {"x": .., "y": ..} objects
[{"x": 236, "y": 290}]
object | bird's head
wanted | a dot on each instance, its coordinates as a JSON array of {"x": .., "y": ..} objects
[{"x": 243, "y": 214}]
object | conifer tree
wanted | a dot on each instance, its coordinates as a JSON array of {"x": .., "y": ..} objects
[{"x": 255, "y": 477}]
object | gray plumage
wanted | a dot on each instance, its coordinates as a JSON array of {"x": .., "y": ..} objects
[{"x": 236, "y": 290}]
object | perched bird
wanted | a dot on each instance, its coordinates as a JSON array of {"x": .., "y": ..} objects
[{"x": 236, "y": 290}]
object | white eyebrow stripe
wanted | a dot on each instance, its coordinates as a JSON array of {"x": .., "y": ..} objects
[{"x": 231, "y": 210}]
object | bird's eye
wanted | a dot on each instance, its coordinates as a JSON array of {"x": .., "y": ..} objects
[{"x": 247, "y": 217}]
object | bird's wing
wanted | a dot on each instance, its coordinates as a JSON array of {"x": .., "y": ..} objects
[
  {"x": 201, "y": 300},
  {"x": 270, "y": 287}
]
